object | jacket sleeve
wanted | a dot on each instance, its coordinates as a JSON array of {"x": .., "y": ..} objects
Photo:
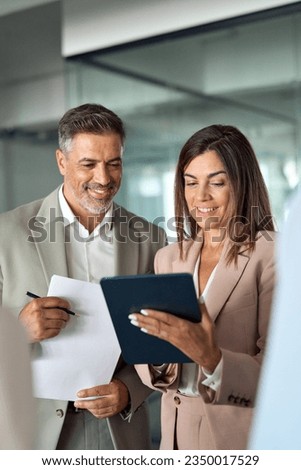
[
  {"x": 138, "y": 391},
  {"x": 241, "y": 370},
  {"x": 17, "y": 407},
  {"x": 156, "y": 380}
]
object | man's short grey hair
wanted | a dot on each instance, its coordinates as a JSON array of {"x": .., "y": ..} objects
[{"x": 88, "y": 118}]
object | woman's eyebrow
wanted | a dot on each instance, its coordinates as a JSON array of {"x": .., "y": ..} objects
[
  {"x": 189, "y": 176},
  {"x": 210, "y": 175}
]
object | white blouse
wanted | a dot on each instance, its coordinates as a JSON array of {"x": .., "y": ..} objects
[{"x": 190, "y": 371}]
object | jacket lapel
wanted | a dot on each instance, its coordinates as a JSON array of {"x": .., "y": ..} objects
[
  {"x": 191, "y": 251},
  {"x": 225, "y": 278},
  {"x": 126, "y": 243},
  {"x": 223, "y": 284},
  {"x": 50, "y": 241}
]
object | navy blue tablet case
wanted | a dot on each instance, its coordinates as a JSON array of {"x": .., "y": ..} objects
[{"x": 173, "y": 293}]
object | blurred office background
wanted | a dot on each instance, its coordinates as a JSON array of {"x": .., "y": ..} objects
[{"x": 168, "y": 68}]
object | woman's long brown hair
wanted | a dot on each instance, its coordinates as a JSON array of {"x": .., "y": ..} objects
[{"x": 250, "y": 206}]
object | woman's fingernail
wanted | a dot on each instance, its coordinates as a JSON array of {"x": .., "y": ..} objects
[
  {"x": 144, "y": 312},
  {"x": 132, "y": 316},
  {"x": 144, "y": 330},
  {"x": 134, "y": 322}
]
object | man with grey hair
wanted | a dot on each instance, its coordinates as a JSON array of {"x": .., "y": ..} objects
[{"x": 78, "y": 231}]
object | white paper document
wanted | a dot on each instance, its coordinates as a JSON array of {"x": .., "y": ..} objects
[{"x": 85, "y": 353}]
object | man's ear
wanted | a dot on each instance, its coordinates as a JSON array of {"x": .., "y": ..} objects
[{"x": 61, "y": 161}]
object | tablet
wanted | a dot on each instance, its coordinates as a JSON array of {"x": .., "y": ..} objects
[{"x": 172, "y": 293}]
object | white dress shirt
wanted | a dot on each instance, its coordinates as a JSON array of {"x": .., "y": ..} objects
[{"x": 89, "y": 256}]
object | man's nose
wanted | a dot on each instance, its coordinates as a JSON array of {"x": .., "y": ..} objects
[{"x": 102, "y": 175}]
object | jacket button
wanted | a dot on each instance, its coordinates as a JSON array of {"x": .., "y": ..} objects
[
  {"x": 177, "y": 400},
  {"x": 59, "y": 413}
]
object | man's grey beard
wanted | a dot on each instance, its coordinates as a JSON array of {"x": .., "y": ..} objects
[{"x": 94, "y": 209}]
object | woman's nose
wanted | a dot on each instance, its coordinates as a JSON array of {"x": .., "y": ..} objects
[{"x": 202, "y": 193}]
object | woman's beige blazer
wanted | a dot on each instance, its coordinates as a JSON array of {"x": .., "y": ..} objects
[{"x": 239, "y": 302}]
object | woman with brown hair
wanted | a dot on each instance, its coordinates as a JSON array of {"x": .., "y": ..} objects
[{"x": 226, "y": 241}]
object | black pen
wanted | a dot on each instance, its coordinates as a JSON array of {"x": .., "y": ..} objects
[{"x": 35, "y": 296}]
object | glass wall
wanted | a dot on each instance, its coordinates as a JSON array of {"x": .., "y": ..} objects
[
  {"x": 28, "y": 168},
  {"x": 245, "y": 74}
]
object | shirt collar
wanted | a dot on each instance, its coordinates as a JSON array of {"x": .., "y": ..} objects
[{"x": 70, "y": 218}]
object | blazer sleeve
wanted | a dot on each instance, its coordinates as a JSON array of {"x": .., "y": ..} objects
[
  {"x": 156, "y": 380},
  {"x": 138, "y": 392},
  {"x": 17, "y": 406},
  {"x": 241, "y": 370}
]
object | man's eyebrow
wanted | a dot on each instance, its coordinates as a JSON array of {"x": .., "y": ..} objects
[
  {"x": 93, "y": 160},
  {"x": 210, "y": 175},
  {"x": 86, "y": 159}
]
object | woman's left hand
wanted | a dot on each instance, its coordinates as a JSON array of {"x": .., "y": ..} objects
[{"x": 196, "y": 340}]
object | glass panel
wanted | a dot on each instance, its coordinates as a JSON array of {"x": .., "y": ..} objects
[
  {"x": 28, "y": 169},
  {"x": 247, "y": 76}
]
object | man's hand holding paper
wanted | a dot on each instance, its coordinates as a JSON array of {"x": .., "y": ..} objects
[
  {"x": 104, "y": 400},
  {"x": 85, "y": 353}
]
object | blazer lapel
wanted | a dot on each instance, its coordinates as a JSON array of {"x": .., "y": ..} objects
[
  {"x": 223, "y": 283},
  {"x": 126, "y": 244},
  {"x": 225, "y": 278},
  {"x": 191, "y": 251},
  {"x": 50, "y": 242}
]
